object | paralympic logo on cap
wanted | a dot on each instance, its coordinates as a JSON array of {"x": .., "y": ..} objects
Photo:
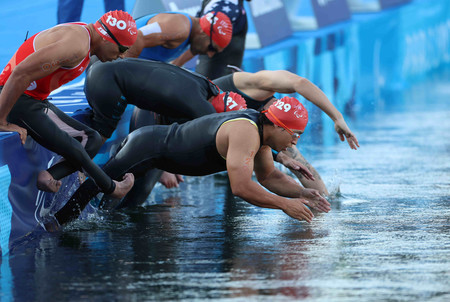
[
  {"x": 219, "y": 28},
  {"x": 298, "y": 110},
  {"x": 221, "y": 24},
  {"x": 297, "y": 114},
  {"x": 131, "y": 31},
  {"x": 121, "y": 24}
]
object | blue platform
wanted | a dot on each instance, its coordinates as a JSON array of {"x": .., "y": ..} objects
[{"x": 370, "y": 55}]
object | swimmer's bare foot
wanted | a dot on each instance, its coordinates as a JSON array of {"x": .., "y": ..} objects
[
  {"x": 124, "y": 186},
  {"x": 45, "y": 182}
]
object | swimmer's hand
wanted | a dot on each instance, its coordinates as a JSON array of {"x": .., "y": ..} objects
[
  {"x": 293, "y": 164},
  {"x": 8, "y": 127},
  {"x": 296, "y": 209},
  {"x": 344, "y": 132},
  {"x": 315, "y": 200}
]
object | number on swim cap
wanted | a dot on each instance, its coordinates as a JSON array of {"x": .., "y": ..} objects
[
  {"x": 119, "y": 24},
  {"x": 231, "y": 103},
  {"x": 283, "y": 106}
]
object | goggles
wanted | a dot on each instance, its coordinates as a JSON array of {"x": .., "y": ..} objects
[
  {"x": 210, "y": 46},
  {"x": 282, "y": 125},
  {"x": 122, "y": 48}
]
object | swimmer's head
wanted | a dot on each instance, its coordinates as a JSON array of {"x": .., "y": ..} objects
[
  {"x": 228, "y": 101},
  {"x": 288, "y": 113},
  {"x": 117, "y": 27},
  {"x": 218, "y": 26}
]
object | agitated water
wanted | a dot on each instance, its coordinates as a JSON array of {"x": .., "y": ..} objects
[{"x": 387, "y": 237}]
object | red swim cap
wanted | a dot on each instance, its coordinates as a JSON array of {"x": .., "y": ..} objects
[
  {"x": 222, "y": 28},
  {"x": 288, "y": 113},
  {"x": 121, "y": 25},
  {"x": 228, "y": 101}
]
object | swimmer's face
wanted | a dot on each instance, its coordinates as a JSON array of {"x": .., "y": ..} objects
[
  {"x": 108, "y": 51},
  {"x": 284, "y": 139},
  {"x": 202, "y": 44}
]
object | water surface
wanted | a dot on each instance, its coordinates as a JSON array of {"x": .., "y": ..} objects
[{"x": 387, "y": 237}]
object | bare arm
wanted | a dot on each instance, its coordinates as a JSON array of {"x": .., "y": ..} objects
[
  {"x": 242, "y": 145},
  {"x": 151, "y": 40},
  {"x": 282, "y": 184},
  {"x": 263, "y": 84},
  {"x": 184, "y": 58},
  {"x": 272, "y": 178},
  {"x": 136, "y": 49},
  {"x": 67, "y": 52},
  {"x": 174, "y": 30},
  {"x": 316, "y": 183}
]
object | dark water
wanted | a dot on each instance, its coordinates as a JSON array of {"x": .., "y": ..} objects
[{"x": 387, "y": 237}]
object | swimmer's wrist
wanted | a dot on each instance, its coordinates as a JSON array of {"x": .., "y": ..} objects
[{"x": 338, "y": 118}]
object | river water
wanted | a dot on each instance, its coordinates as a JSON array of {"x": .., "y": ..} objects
[{"x": 387, "y": 237}]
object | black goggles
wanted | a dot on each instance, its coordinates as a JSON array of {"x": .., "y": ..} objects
[
  {"x": 122, "y": 48},
  {"x": 210, "y": 46},
  {"x": 225, "y": 98}
]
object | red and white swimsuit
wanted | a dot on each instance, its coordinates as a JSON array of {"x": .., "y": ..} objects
[{"x": 40, "y": 89}]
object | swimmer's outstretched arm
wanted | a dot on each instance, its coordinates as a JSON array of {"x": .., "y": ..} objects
[
  {"x": 283, "y": 185},
  {"x": 241, "y": 153},
  {"x": 265, "y": 83},
  {"x": 290, "y": 158}
]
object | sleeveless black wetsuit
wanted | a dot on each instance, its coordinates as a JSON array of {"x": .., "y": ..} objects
[
  {"x": 143, "y": 186},
  {"x": 53, "y": 129},
  {"x": 188, "y": 149},
  {"x": 150, "y": 85},
  {"x": 226, "y": 83}
]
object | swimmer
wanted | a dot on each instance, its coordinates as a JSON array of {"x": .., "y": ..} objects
[
  {"x": 165, "y": 36},
  {"x": 238, "y": 142},
  {"x": 46, "y": 61},
  {"x": 258, "y": 89},
  {"x": 216, "y": 66}
]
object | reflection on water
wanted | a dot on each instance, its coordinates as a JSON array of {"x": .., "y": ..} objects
[{"x": 386, "y": 238}]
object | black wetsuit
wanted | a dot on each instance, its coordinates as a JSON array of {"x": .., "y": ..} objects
[
  {"x": 226, "y": 83},
  {"x": 143, "y": 186},
  {"x": 58, "y": 132},
  {"x": 156, "y": 86},
  {"x": 188, "y": 149}
]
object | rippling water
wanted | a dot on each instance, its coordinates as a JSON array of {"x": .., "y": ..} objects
[{"x": 387, "y": 237}]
